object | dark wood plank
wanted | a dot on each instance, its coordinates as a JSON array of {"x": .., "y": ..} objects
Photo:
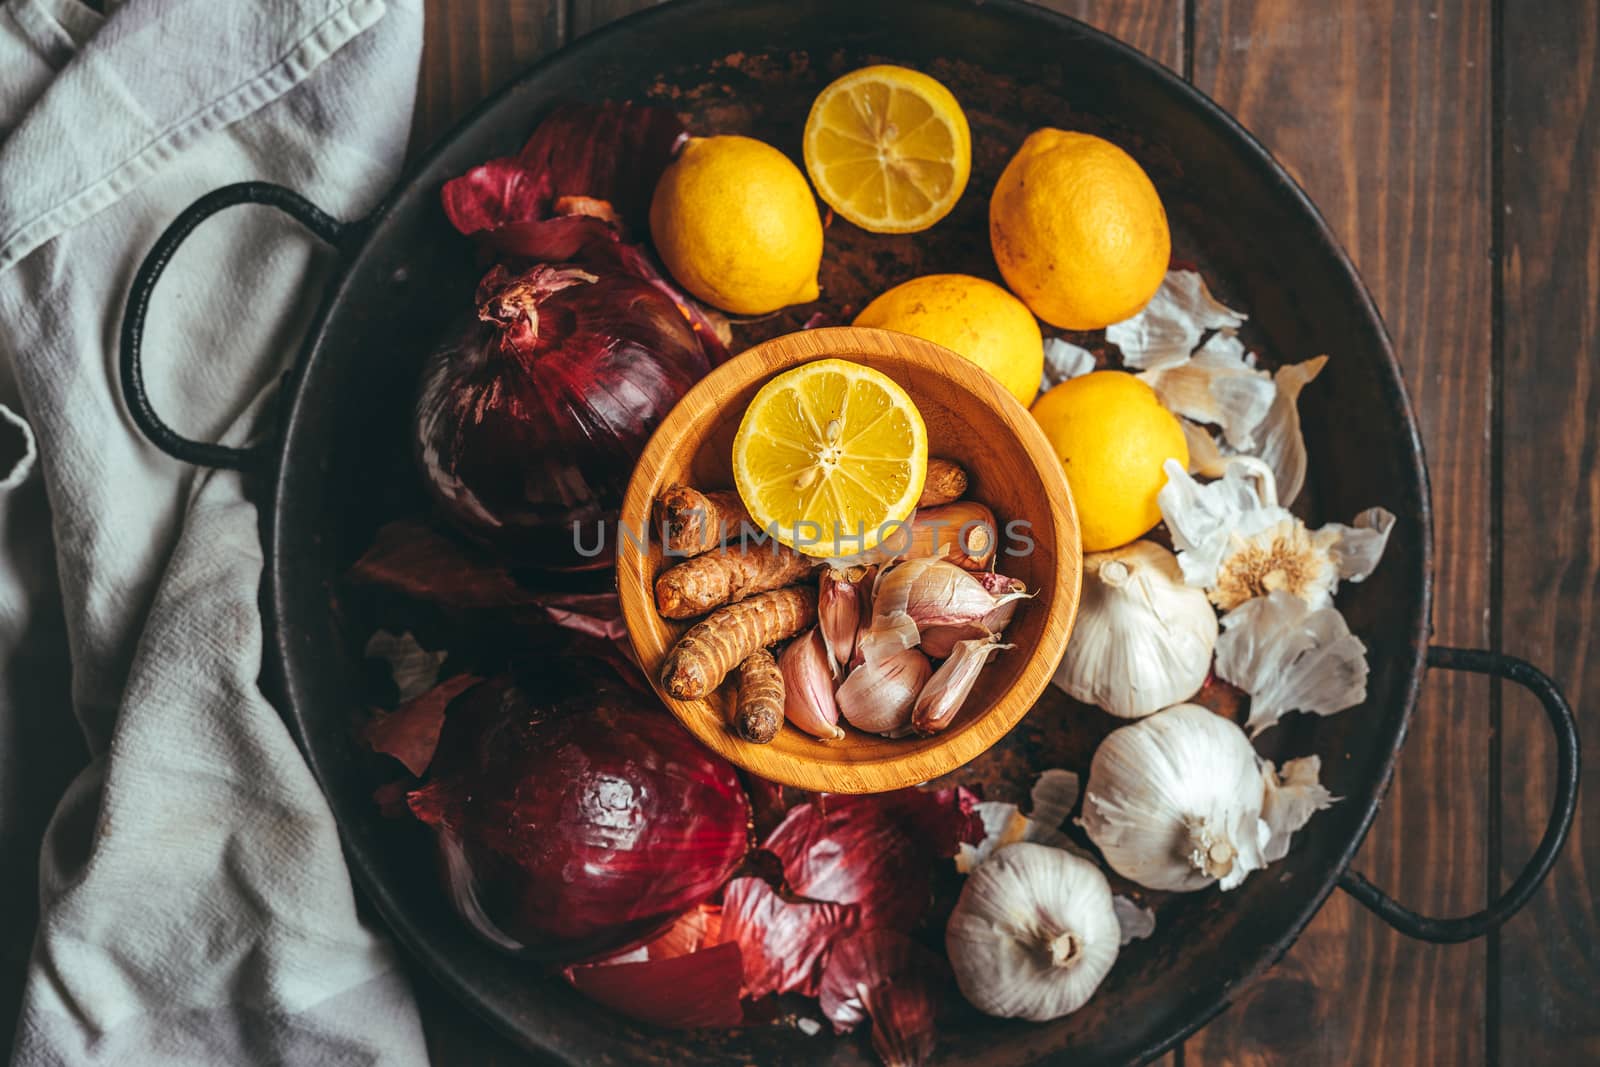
[
  {"x": 1550, "y": 577},
  {"x": 1380, "y": 109},
  {"x": 471, "y": 48},
  {"x": 1154, "y": 27}
]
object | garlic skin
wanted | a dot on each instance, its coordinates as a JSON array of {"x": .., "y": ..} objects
[
  {"x": 1279, "y": 442},
  {"x": 878, "y": 696},
  {"x": 1169, "y": 328},
  {"x": 1291, "y": 657},
  {"x": 1205, "y": 458},
  {"x": 1174, "y": 801},
  {"x": 1136, "y": 922},
  {"x": 1033, "y": 934},
  {"x": 1237, "y": 543},
  {"x": 1054, "y": 793},
  {"x": 1143, "y": 639},
  {"x": 1063, "y": 361},
  {"x": 415, "y": 670},
  {"x": 947, "y": 690},
  {"x": 808, "y": 700},
  {"x": 839, "y": 613},
  {"x": 1219, "y": 388},
  {"x": 1290, "y": 798}
]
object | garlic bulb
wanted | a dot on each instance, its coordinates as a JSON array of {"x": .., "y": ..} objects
[
  {"x": 1033, "y": 934},
  {"x": 1174, "y": 801},
  {"x": 1289, "y": 657},
  {"x": 1143, "y": 639}
]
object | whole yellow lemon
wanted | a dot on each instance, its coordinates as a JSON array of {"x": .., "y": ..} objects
[
  {"x": 736, "y": 224},
  {"x": 1112, "y": 435},
  {"x": 969, "y": 316},
  {"x": 1078, "y": 230}
]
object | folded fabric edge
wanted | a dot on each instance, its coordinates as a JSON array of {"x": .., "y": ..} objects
[{"x": 255, "y": 92}]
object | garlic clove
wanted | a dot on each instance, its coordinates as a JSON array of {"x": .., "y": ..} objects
[
  {"x": 1291, "y": 797},
  {"x": 1218, "y": 388},
  {"x": 1143, "y": 639},
  {"x": 839, "y": 614},
  {"x": 878, "y": 696},
  {"x": 808, "y": 698},
  {"x": 1169, "y": 328},
  {"x": 947, "y": 690},
  {"x": 1033, "y": 934},
  {"x": 1064, "y": 361},
  {"x": 1174, "y": 801},
  {"x": 1291, "y": 657}
]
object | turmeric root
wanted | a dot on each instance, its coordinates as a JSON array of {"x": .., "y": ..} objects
[
  {"x": 692, "y": 522},
  {"x": 759, "y": 711},
  {"x": 727, "y": 574},
  {"x": 728, "y": 636},
  {"x": 946, "y": 482}
]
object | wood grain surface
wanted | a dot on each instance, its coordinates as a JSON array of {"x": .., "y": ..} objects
[
  {"x": 1455, "y": 149},
  {"x": 970, "y": 417}
]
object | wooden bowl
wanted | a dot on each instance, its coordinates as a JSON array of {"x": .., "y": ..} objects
[{"x": 971, "y": 418}]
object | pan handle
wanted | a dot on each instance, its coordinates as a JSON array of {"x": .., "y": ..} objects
[
  {"x": 1467, "y": 927},
  {"x": 164, "y": 437}
]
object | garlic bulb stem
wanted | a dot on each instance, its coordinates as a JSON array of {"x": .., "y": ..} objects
[{"x": 1064, "y": 950}]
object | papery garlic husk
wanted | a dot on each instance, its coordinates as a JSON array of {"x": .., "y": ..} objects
[
  {"x": 415, "y": 669},
  {"x": 1219, "y": 388},
  {"x": 1169, "y": 328},
  {"x": 1174, "y": 801},
  {"x": 1236, "y": 542},
  {"x": 1204, "y": 520},
  {"x": 1063, "y": 361},
  {"x": 1143, "y": 638},
  {"x": 839, "y": 596},
  {"x": 1291, "y": 657},
  {"x": 1054, "y": 793},
  {"x": 939, "y": 641},
  {"x": 808, "y": 700},
  {"x": 1136, "y": 922},
  {"x": 878, "y": 696},
  {"x": 1033, "y": 934},
  {"x": 947, "y": 690},
  {"x": 1289, "y": 799},
  {"x": 1278, "y": 440},
  {"x": 1205, "y": 458}
]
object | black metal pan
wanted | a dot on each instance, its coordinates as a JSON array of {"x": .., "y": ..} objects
[{"x": 340, "y": 466}]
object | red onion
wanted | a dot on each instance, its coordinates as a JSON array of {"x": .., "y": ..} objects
[
  {"x": 528, "y": 425},
  {"x": 888, "y": 978},
  {"x": 582, "y": 826}
]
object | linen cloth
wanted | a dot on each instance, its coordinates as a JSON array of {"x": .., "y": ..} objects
[{"x": 193, "y": 903}]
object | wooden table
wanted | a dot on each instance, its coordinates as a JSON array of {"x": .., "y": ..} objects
[{"x": 1454, "y": 145}]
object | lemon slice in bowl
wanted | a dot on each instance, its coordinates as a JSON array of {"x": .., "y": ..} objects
[
  {"x": 830, "y": 457},
  {"x": 888, "y": 148}
]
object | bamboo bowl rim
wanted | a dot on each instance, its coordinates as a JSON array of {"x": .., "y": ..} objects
[{"x": 699, "y": 412}]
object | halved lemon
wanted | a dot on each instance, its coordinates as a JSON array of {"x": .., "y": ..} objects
[
  {"x": 888, "y": 148},
  {"x": 830, "y": 457}
]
